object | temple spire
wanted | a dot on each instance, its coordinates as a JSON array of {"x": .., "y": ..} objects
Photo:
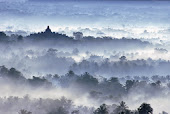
[{"x": 48, "y": 30}]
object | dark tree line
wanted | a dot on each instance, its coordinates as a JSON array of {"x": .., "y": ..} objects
[
  {"x": 122, "y": 108},
  {"x": 97, "y": 88}
]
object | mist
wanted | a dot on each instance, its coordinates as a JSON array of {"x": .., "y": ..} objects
[{"x": 84, "y": 57}]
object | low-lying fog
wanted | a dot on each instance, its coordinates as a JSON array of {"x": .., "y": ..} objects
[{"x": 52, "y": 73}]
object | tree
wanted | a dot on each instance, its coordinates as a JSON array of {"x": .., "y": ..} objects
[
  {"x": 20, "y": 38},
  {"x": 145, "y": 109},
  {"x": 102, "y": 110},
  {"x": 13, "y": 73},
  {"x": 114, "y": 80},
  {"x": 39, "y": 82},
  {"x": 129, "y": 84},
  {"x": 3, "y": 71},
  {"x": 3, "y": 36},
  {"x": 122, "y": 58},
  {"x": 24, "y": 112},
  {"x": 59, "y": 110},
  {"x": 75, "y": 112},
  {"x": 86, "y": 80},
  {"x": 122, "y": 109},
  {"x": 70, "y": 73}
]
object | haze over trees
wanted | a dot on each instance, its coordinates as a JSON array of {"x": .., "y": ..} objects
[
  {"x": 84, "y": 57},
  {"x": 52, "y": 73}
]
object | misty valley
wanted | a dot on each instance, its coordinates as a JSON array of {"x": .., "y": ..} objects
[{"x": 53, "y": 73}]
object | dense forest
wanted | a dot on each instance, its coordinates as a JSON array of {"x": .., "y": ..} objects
[
  {"x": 96, "y": 90},
  {"x": 52, "y": 73},
  {"x": 84, "y": 57}
]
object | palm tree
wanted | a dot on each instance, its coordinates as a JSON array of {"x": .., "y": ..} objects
[{"x": 122, "y": 108}]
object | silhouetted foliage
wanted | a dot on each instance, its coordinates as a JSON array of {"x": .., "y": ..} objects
[
  {"x": 3, "y": 37},
  {"x": 145, "y": 109},
  {"x": 122, "y": 109},
  {"x": 59, "y": 110},
  {"x": 24, "y": 112},
  {"x": 101, "y": 110},
  {"x": 39, "y": 82}
]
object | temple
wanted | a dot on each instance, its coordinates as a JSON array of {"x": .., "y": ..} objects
[
  {"x": 47, "y": 34},
  {"x": 48, "y": 30}
]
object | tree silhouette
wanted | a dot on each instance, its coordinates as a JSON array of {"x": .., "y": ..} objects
[
  {"x": 20, "y": 38},
  {"x": 101, "y": 110},
  {"x": 24, "y": 112},
  {"x": 145, "y": 109},
  {"x": 75, "y": 112},
  {"x": 60, "y": 110},
  {"x": 129, "y": 84},
  {"x": 122, "y": 58},
  {"x": 122, "y": 108},
  {"x": 3, "y": 36}
]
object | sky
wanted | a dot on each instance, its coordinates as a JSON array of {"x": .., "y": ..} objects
[{"x": 99, "y": 18}]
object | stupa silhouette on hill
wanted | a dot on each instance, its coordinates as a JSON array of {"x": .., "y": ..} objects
[
  {"x": 48, "y": 30},
  {"x": 48, "y": 34}
]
